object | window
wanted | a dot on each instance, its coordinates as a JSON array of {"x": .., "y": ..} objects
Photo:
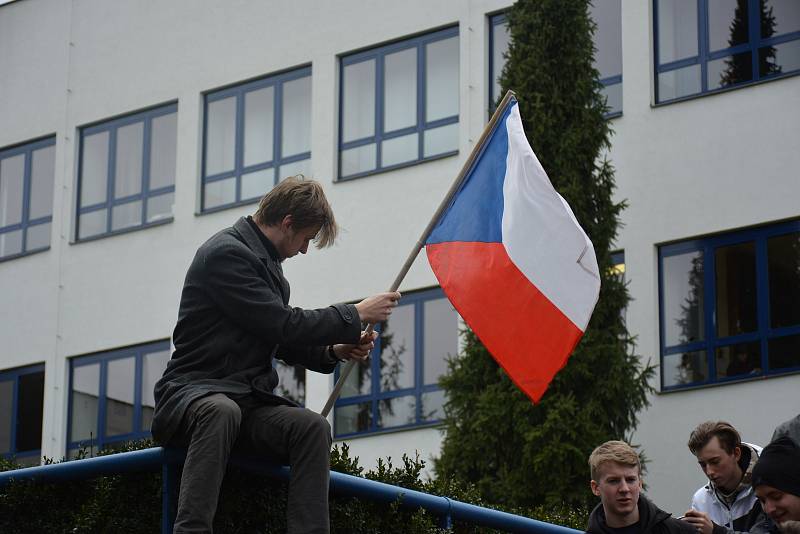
[
  {"x": 399, "y": 104},
  {"x": 255, "y": 134},
  {"x": 291, "y": 381},
  {"x": 607, "y": 38},
  {"x": 21, "y": 407},
  {"x": 127, "y": 173},
  {"x": 26, "y": 197},
  {"x": 400, "y": 385},
  {"x": 111, "y": 395},
  {"x": 703, "y": 46},
  {"x": 618, "y": 270},
  {"x": 729, "y": 306}
]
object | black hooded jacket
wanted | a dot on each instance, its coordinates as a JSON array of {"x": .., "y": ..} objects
[{"x": 652, "y": 520}]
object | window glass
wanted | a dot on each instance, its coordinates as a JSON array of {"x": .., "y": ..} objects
[
  {"x": 10, "y": 243},
  {"x": 293, "y": 169},
  {"x": 94, "y": 169},
  {"x": 679, "y": 82},
  {"x": 683, "y": 319},
  {"x": 779, "y": 59},
  {"x": 85, "y": 394},
  {"x": 128, "y": 175},
  {"x": 30, "y": 407},
  {"x": 785, "y": 17},
  {"x": 684, "y": 368},
  {"x": 736, "y": 289},
  {"x": 255, "y": 184},
  {"x": 397, "y": 411},
  {"x": 739, "y": 360},
  {"x": 12, "y": 175},
  {"x": 296, "y": 133},
  {"x": 441, "y": 84},
  {"x": 220, "y": 135},
  {"x": 677, "y": 29},
  {"x": 730, "y": 70},
  {"x": 6, "y": 402},
  {"x": 126, "y": 215},
  {"x": 607, "y": 15},
  {"x": 42, "y": 169},
  {"x": 501, "y": 38},
  {"x": 358, "y": 382},
  {"x": 120, "y": 382},
  {"x": 358, "y": 160},
  {"x": 220, "y": 192},
  {"x": 783, "y": 272},
  {"x": 400, "y": 150},
  {"x": 784, "y": 352},
  {"x": 38, "y": 236},
  {"x": 291, "y": 382},
  {"x": 727, "y": 24},
  {"x": 92, "y": 223},
  {"x": 153, "y": 366},
  {"x": 441, "y": 338},
  {"x": 400, "y": 90},
  {"x": 397, "y": 350},
  {"x": 441, "y": 140},
  {"x": 358, "y": 113},
  {"x": 163, "y": 150},
  {"x": 159, "y": 207},
  {"x": 433, "y": 405},
  {"x": 259, "y": 125},
  {"x": 353, "y": 418}
]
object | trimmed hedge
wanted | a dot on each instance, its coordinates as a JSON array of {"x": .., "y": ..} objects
[{"x": 248, "y": 504}]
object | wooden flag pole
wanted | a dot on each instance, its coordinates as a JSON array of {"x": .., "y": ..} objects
[{"x": 337, "y": 389}]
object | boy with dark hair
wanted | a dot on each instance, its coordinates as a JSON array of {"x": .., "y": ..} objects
[
  {"x": 617, "y": 479},
  {"x": 776, "y": 479}
]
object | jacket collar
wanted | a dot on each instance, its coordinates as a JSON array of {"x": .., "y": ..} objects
[{"x": 253, "y": 242}]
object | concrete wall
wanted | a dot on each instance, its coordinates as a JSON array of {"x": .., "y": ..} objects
[{"x": 688, "y": 169}]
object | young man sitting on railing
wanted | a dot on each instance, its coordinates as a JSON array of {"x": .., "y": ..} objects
[{"x": 234, "y": 318}]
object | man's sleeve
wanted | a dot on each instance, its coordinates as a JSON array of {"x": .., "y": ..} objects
[
  {"x": 316, "y": 359},
  {"x": 233, "y": 283}
]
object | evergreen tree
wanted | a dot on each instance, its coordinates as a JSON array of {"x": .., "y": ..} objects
[{"x": 517, "y": 453}]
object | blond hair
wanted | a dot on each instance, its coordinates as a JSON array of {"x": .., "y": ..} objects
[
  {"x": 305, "y": 201},
  {"x": 613, "y": 451}
]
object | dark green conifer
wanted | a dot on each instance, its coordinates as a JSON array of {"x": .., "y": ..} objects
[{"x": 517, "y": 453}]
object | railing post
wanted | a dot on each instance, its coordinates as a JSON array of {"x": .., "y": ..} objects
[{"x": 169, "y": 493}]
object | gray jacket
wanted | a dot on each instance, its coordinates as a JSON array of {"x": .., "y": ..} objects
[{"x": 234, "y": 318}]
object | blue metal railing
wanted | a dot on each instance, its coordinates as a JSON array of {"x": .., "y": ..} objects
[{"x": 168, "y": 460}]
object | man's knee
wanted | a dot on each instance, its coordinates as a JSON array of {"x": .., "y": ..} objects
[
  {"x": 315, "y": 426},
  {"x": 218, "y": 411}
]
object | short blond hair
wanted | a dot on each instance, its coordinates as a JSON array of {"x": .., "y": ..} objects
[
  {"x": 613, "y": 451},
  {"x": 305, "y": 201}
]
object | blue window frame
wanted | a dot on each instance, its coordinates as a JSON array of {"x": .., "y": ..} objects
[
  {"x": 111, "y": 395},
  {"x": 399, "y": 104},
  {"x": 26, "y": 197},
  {"x": 607, "y": 38},
  {"x": 728, "y": 306},
  {"x": 399, "y": 388},
  {"x": 704, "y": 46},
  {"x": 254, "y": 135},
  {"x": 21, "y": 406},
  {"x": 127, "y": 173}
]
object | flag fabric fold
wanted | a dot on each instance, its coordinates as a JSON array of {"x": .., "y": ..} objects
[{"x": 511, "y": 257}]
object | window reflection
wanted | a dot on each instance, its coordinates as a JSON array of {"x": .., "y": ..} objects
[
  {"x": 784, "y": 352},
  {"x": 6, "y": 402},
  {"x": 441, "y": 340},
  {"x": 120, "y": 381},
  {"x": 683, "y": 298},
  {"x": 353, "y": 418},
  {"x": 684, "y": 368},
  {"x": 783, "y": 271},
  {"x": 736, "y": 289},
  {"x": 291, "y": 382},
  {"x": 153, "y": 366},
  {"x": 30, "y": 405},
  {"x": 739, "y": 360},
  {"x": 397, "y": 350},
  {"x": 85, "y": 393},
  {"x": 397, "y": 411}
]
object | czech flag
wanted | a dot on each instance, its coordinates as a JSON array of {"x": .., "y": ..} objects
[{"x": 512, "y": 259}]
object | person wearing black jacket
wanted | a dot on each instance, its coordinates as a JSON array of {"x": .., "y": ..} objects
[
  {"x": 617, "y": 479},
  {"x": 234, "y": 318}
]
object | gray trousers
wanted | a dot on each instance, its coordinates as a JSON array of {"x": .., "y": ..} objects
[{"x": 294, "y": 436}]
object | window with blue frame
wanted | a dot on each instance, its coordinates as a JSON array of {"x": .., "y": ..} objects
[
  {"x": 703, "y": 46},
  {"x": 26, "y": 197},
  {"x": 21, "y": 407},
  {"x": 127, "y": 172},
  {"x": 255, "y": 134},
  {"x": 291, "y": 381},
  {"x": 399, "y": 104},
  {"x": 399, "y": 387},
  {"x": 607, "y": 38},
  {"x": 111, "y": 396},
  {"x": 729, "y": 306}
]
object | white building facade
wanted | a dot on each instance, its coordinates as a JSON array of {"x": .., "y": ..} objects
[{"x": 133, "y": 131}]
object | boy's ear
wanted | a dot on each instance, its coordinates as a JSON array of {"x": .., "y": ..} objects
[{"x": 595, "y": 487}]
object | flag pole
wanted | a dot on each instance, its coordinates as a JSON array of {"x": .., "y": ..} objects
[{"x": 337, "y": 389}]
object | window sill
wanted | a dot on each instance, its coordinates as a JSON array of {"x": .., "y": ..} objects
[
  {"x": 124, "y": 231},
  {"x": 385, "y": 431},
  {"x": 395, "y": 167}
]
